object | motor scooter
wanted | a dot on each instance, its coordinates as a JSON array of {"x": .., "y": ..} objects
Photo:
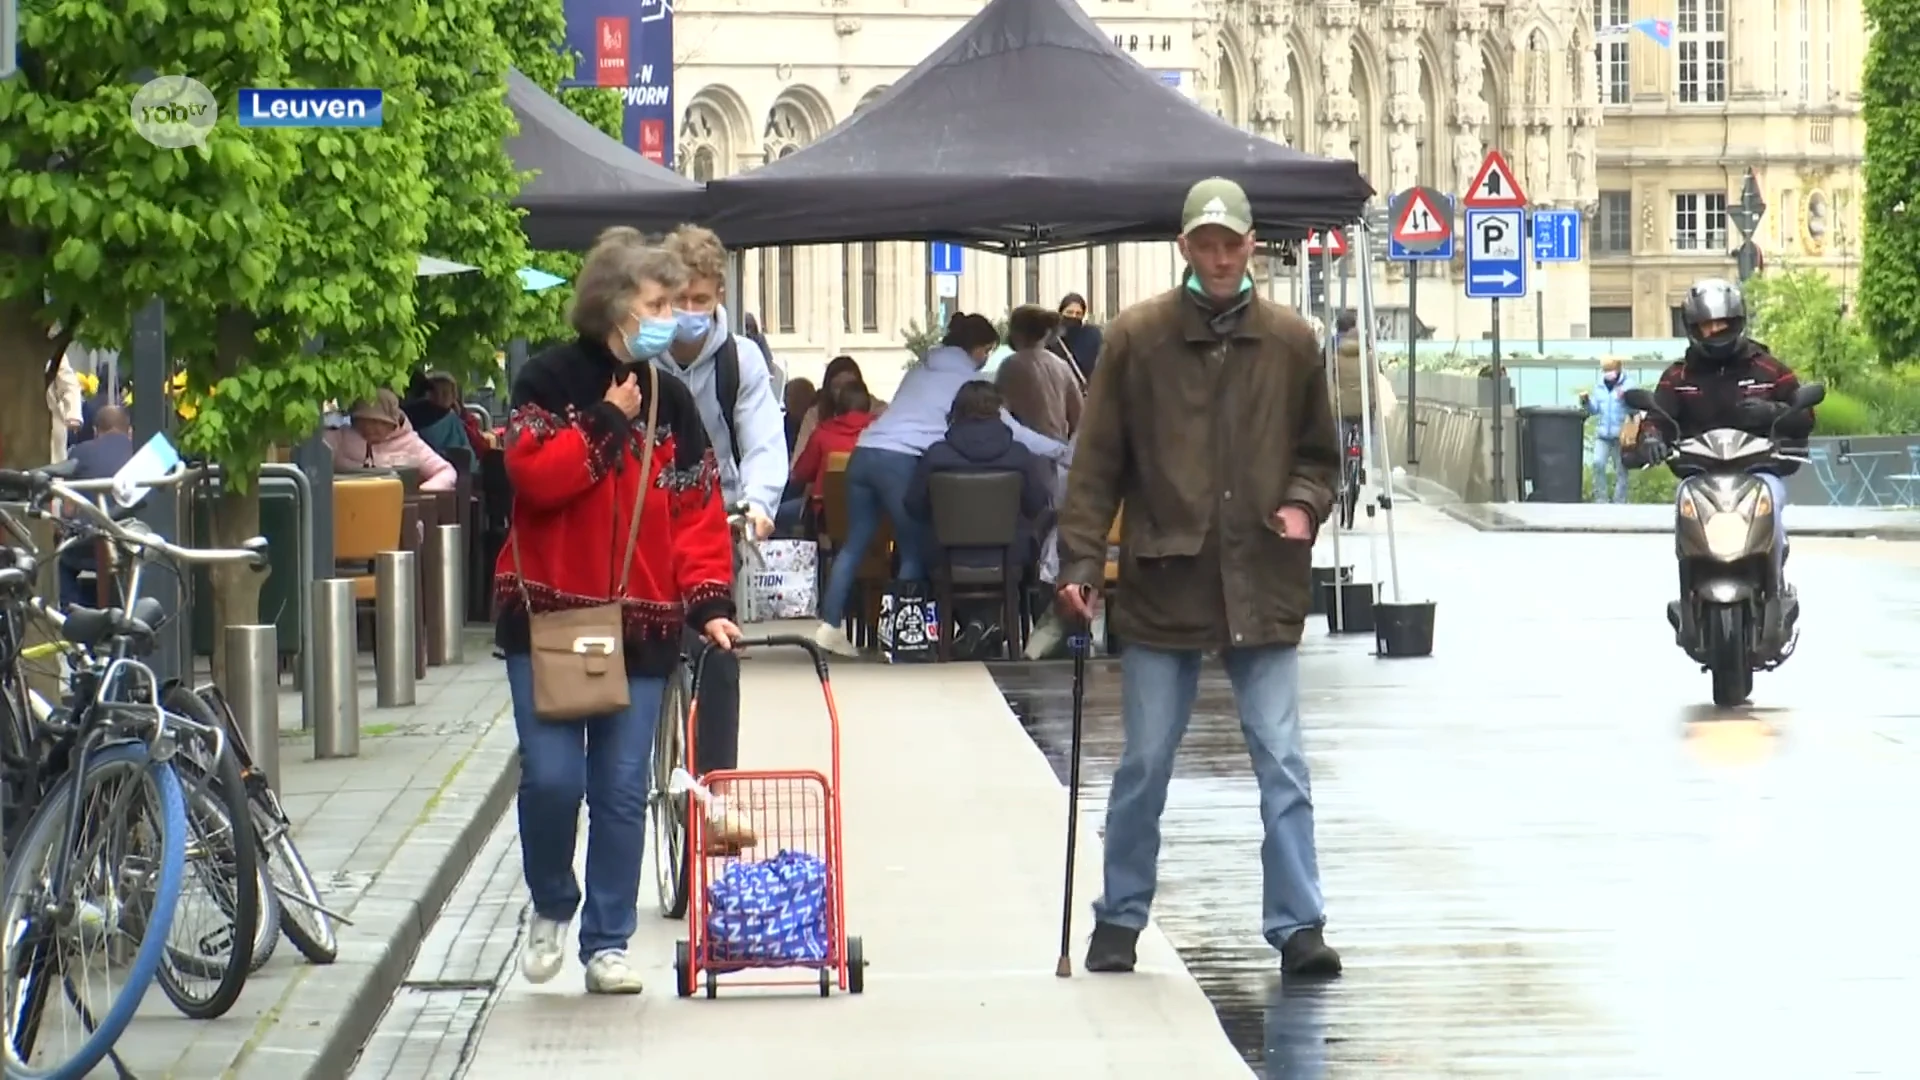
[{"x": 1736, "y": 615}]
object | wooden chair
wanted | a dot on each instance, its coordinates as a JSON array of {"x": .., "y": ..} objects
[
  {"x": 979, "y": 511},
  {"x": 863, "y": 611},
  {"x": 367, "y": 515}
]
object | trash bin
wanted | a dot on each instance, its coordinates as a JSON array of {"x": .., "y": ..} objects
[
  {"x": 1553, "y": 442},
  {"x": 282, "y": 593}
]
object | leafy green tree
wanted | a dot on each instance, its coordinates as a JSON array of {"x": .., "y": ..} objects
[
  {"x": 100, "y": 219},
  {"x": 1890, "y": 270},
  {"x": 351, "y": 221},
  {"x": 1799, "y": 314}
]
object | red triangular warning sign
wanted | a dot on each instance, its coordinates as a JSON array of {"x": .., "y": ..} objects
[
  {"x": 1494, "y": 185},
  {"x": 1332, "y": 243},
  {"x": 1420, "y": 221}
]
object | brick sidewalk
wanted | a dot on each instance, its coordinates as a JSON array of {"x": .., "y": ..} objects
[{"x": 387, "y": 835}]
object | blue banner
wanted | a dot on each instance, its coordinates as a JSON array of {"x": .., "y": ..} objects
[{"x": 629, "y": 44}]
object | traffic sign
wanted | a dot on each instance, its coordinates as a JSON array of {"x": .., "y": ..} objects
[
  {"x": 1421, "y": 213},
  {"x": 1746, "y": 213},
  {"x": 1494, "y": 185},
  {"x": 1496, "y": 254},
  {"x": 1556, "y": 236},
  {"x": 945, "y": 258},
  {"x": 1332, "y": 242}
]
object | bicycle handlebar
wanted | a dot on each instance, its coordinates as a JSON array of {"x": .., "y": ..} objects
[{"x": 39, "y": 485}]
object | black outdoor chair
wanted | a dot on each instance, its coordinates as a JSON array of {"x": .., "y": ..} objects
[{"x": 978, "y": 511}]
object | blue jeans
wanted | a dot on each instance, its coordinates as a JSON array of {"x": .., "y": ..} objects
[
  {"x": 607, "y": 761},
  {"x": 1606, "y": 456},
  {"x": 877, "y": 483},
  {"x": 1156, "y": 702}
]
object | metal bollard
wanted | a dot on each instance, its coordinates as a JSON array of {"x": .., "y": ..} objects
[
  {"x": 336, "y": 683},
  {"x": 396, "y": 603},
  {"x": 253, "y": 676},
  {"x": 449, "y": 566}
]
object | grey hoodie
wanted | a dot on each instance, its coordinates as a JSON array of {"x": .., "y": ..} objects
[{"x": 761, "y": 473}]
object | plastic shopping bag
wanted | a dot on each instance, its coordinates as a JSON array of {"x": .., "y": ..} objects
[{"x": 772, "y": 912}]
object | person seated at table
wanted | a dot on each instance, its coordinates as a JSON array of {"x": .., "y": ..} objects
[
  {"x": 434, "y": 418},
  {"x": 978, "y": 441},
  {"x": 796, "y": 398},
  {"x": 378, "y": 436},
  {"x": 97, "y": 459},
  {"x": 841, "y": 369},
  {"x": 838, "y": 434}
]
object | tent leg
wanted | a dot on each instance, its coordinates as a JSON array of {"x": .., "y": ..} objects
[
  {"x": 1373, "y": 448},
  {"x": 1330, "y": 358}
]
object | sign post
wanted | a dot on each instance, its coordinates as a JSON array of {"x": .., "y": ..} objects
[
  {"x": 1556, "y": 239},
  {"x": 1746, "y": 215},
  {"x": 1496, "y": 271},
  {"x": 1419, "y": 229},
  {"x": 945, "y": 262}
]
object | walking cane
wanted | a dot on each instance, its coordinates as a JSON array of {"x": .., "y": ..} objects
[{"x": 1079, "y": 642}]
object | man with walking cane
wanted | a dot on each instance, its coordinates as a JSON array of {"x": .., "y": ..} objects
[{"x": 1209, "y": 418}]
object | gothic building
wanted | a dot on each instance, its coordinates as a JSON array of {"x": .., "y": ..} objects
[{"x": 1416, "y": 92}]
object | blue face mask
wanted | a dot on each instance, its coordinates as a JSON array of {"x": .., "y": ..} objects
[
  {"x": 652, "y": 338},
  {"x": 692, "y": 326}
]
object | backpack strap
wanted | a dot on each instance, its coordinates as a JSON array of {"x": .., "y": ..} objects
[{"x": 726, "y": 387}]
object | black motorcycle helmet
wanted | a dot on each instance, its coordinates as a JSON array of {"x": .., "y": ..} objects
[{"x": 1721, "y": 304}]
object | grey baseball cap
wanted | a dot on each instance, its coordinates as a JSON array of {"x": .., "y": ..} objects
[{"x": 1217, "y": 201}]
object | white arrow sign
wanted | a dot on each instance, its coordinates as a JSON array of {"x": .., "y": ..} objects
[{"x": 1504, "y": 277}]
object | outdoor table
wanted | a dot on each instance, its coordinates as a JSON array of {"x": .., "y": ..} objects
[{"x": 1866, "y": 463}]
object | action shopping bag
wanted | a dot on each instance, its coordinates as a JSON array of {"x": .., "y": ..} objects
[
  {"x": 909, "y": 624},
  {"x": 772, "y": 912},
  {"x": 782, "y": 582}
]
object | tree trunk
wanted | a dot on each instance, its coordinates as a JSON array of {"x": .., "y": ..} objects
[
  {"x": 235, "y": 519},
  {"x": 26, "y": 442}
]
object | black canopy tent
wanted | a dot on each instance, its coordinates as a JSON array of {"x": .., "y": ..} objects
[
  {"x": 1027, "y": 131},
  {"x": 585, "y": 181}
]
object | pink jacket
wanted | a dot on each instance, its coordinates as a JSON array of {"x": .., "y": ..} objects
[{"x": 402, "y": 449}]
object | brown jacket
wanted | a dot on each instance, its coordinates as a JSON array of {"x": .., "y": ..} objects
[
  {"x": 1346, "y": 365},
  {"x": 1042, "y": 392},
  {"x": 1203, "y": 440}
]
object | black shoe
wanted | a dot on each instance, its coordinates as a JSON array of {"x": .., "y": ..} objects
[
  {"x": 1307, "y": 953},
  {"x": 1112, "y": 948}
]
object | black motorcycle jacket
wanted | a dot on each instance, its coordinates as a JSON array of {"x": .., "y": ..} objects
[{"x": 1700, "y": 393}]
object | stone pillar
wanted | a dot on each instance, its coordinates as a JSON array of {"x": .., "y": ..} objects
[
  {"x": 1338, "y": 109},
  {"x": 1469, "y": 102},
  {"x": 1404, "y": 107},
  {"x": 1206, "y": 58},
  {"x": 1272, "y": 112}
]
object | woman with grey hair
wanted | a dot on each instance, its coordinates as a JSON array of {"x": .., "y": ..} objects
[{"x": 576, "y": 440}]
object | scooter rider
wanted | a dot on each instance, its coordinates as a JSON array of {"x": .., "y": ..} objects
[{"x": 1727, "y": 380}]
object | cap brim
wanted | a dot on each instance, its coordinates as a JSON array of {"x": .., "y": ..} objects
[{"x": 1238, "y": 226}]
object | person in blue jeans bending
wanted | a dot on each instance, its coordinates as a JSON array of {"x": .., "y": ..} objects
[
  {"x": 1209, "y": 417},
  {"x": 589, "y": 529},
  {"x": 1604, "y": 403},
  {"x": 881, "y": 468}
]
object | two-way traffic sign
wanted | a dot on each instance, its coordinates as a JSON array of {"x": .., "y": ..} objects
[
  {"x": 1556, "y": 236},
  {"x": 1420, "y": 225},
  {"x": 1494, "y": 185},
  {"x": 1496, "y": 254}
]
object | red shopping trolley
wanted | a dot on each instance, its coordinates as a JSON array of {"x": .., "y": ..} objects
[{"x": 794, "y": 814}]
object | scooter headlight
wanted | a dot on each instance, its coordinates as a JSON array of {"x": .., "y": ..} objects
[{"x": 1726, "y": 535}]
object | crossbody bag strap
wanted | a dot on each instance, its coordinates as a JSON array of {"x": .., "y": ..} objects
[{"x": 646, "y": 478}]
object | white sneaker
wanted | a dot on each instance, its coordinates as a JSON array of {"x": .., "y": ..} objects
[
  {"x": 609, "y": 973},
  {"x": 834, "y": 640},
  {"x": 545, "y": 952}
]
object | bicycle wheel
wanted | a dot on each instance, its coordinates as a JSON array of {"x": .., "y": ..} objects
[
  {"x": 210, "y": 944},
  {"x": 669, "y": 810},
  {"x": 302, "y": 919},
  {"x": 210, "y": 951},
  {"x": 289, "y": 897},
  {"x": 132, "y": 846}
]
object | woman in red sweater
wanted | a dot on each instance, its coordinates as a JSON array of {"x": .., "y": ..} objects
[
  {"x": 574, "y": 453},
  {"x": 852, "y": 411}
]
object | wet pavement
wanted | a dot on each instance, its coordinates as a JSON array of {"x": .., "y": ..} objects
[
  {"x": 1886, "y": 522},
  {"x": 1544, "y": 854}
]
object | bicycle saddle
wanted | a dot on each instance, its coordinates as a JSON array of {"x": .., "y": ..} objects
[{"x": 89, "y": 627}]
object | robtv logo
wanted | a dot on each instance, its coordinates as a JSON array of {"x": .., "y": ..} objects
[
  {"x": 174, "y": 111},
  {"x": 267, "y": 108}
]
